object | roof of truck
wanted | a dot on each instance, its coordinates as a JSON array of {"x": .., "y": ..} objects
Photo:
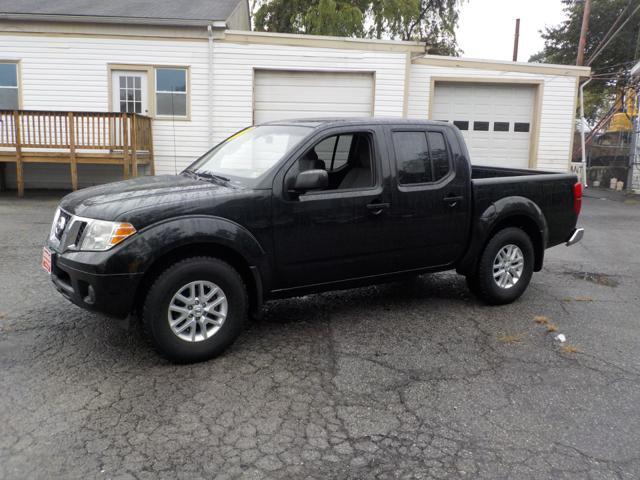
[{"x": 345, "y": 121}]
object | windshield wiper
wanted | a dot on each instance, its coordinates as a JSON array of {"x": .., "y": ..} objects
[{"x": 209, "y": 176}]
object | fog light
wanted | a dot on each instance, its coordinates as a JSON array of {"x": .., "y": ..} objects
[{"x": 90, "y": 299}]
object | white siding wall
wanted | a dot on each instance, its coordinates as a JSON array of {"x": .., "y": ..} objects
[
  {"x": 557, "y": 116},
  {"x": 70, "y": 73},
  {"x": 235, "y": 63}
]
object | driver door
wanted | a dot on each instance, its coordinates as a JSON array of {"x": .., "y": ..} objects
[{"x": 341, "y": 232}]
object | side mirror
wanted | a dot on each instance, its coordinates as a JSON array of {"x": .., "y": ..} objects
[{"x": 311, "y": 180}]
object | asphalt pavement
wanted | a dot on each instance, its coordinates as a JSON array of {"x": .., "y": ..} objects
[{"x": 406, "y": 380}]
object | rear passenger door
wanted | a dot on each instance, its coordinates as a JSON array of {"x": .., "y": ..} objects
[{"x": 430, "y": 204}]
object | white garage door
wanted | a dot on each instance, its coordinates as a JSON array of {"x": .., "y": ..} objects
[
  {"x": 285, "y": 94},
  {"x": 496, "y": 120}
]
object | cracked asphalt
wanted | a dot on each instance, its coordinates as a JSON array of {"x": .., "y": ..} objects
[{"x": 405, "y": 380}]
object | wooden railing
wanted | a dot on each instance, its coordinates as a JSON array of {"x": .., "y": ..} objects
[{"x": 75, "y": 137}]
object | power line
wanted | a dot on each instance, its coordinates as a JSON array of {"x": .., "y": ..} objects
[
  {"x": 622, "y": 64},
  {"x": 601, "y": 47}
]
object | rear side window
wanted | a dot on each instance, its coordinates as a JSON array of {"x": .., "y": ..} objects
[
  {"x": 421, "y": 157},
  {"x": 412, "y": 157},
  {"x": 439, "y": 155}
]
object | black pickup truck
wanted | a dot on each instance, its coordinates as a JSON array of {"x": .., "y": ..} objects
[{"x": 294, "y": 207}]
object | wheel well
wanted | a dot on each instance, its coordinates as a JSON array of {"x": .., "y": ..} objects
[
  {"x": 221, "y": 252},
  {"x": 531, "y": 228}
]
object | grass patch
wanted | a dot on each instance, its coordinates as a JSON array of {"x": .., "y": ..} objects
[
  {"x": 571, "y": 349},
  {"x": 597, "y": 278},
  {"x": 551, "y": 328},
  {"x": 541, "y": 319},
  {"x": 511, "y": 339},
  {"x": 578, "y": 299}
]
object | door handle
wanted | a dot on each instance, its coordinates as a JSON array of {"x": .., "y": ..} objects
[
  {"x": 377, "y": 208},
  {"x": 453, "y": 200}
]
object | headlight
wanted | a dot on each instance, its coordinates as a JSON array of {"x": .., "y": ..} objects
[{"x": 100, "y": 235}]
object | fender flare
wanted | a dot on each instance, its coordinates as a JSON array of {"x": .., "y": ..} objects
[
  {"x": 498, "y": 212},
  {"x": 158, "y": 239}
]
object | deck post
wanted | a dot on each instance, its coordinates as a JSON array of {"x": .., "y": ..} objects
[
  {"x": 71, "y": 134},
  {"x": 125, "y": 145},
  {"x": 134, "y": 146},
  {"x": 19, "y": 168},
  {"x": 152, "y": 162}
]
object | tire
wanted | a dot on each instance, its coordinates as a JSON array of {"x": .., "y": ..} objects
[
  {"x": 207, "y": 329},
  {"x": 512, "y": 243}
]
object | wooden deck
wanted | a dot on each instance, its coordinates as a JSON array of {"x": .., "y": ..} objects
[{"x": 74, "y": 138}]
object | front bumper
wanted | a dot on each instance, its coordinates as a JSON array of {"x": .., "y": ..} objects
[
  {"x": 111, "y": 294},
  {"x": 575, "y": 237}
]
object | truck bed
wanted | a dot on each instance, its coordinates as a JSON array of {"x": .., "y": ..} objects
[
  {"x": 552, "y": 192},
  {"x": 482, "y": 171}
]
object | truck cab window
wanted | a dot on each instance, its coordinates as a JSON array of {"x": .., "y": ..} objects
[
  {"x": 334, "y": 151},
  {"x": 439, "y": 156},
  {"x": 421, "y": 157},
  {"x": 412, "y": 157},
  {"x": 347, "y": 158}
]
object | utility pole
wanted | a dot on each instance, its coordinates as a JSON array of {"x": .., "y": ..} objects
[
  {"x": 583, "y": 32},
  {"x": 516, "y": 41}
]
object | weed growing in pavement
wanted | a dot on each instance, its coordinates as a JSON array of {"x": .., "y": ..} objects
[
  {"x": 571, "y": 349},
  {"x": 511, "y": 339}
]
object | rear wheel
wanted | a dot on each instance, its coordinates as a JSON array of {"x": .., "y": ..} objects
[
  {"x": 505, "y": 267},
  {"x": 195, "y": 309}
]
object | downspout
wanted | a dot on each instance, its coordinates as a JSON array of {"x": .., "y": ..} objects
[
  {"x": 634, "y": 155},
  {"x": 582, "y": 139},
  {"x": 210, "y": 86}
]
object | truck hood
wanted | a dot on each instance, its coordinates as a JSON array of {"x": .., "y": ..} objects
[{"x": 113, "y": 200}]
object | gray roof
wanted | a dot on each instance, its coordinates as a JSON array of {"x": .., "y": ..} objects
[{"x": 164, "y": 12}]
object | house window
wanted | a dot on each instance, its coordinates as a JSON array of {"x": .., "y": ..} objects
[
  {"x": 171, "y": 92},
  {"x": 9, "y": 95}
]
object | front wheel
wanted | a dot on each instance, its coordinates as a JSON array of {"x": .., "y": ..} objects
[
  {"x": 195, "y": 309},
  {"x": 505, "y": 267}
]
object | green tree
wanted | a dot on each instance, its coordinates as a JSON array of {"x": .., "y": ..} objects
[
  {"x": 612, "y": 65},
  {"x": 430, "y": 21}
]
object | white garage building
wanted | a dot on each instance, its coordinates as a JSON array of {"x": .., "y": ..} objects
[{"x": 511, "y": 114}]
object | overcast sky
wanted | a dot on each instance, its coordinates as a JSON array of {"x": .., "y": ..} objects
[{"x": 487, "y": 27}]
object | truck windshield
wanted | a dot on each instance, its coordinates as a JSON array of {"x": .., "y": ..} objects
[{"x": 244, "y": 157}]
